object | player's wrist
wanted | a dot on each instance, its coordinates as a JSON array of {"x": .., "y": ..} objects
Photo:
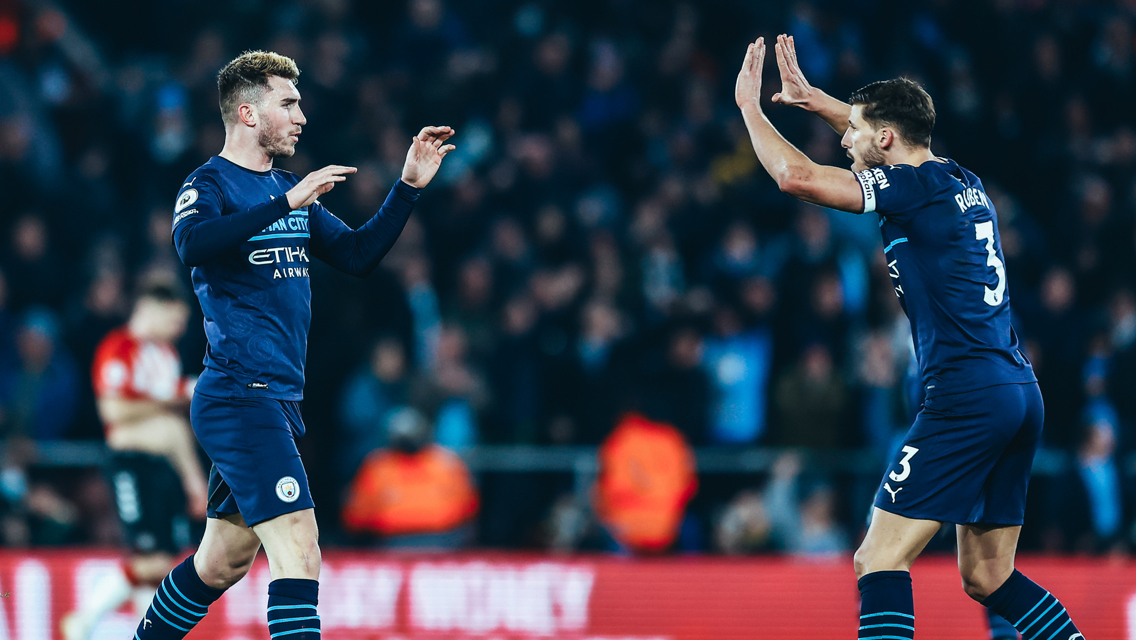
[
  {"x": 293, "y": 199},
  {"x": 408, "y": 186},
  {"x": 751, "y": 108},
  {"x": 813, "y": 102}
]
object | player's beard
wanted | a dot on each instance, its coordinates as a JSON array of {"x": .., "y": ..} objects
[
  {"x": 275, "y": 144},
  {"x": 873, "y": 157}
]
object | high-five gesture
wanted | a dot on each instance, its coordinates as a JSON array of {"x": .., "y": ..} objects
[
  {"x": 747, "y": 89},
  {"x": 425, "y": 155},
  {"x": 795, "y": 89}
]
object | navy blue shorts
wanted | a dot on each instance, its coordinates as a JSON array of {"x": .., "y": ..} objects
[
  {"x": 967, "y": 458},
  {"x": 252, "y": 443}
]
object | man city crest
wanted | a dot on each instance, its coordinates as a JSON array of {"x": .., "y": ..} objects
[{"x": 287, "y": 489}]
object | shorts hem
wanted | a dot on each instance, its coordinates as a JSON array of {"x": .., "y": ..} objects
[
  {"x": 284, "y": 512},
  {"x": 917, "y": 515},
  {"x": 217, "y": 515}
]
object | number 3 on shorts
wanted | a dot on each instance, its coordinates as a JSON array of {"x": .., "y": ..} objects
[{"x": 904, "y": 464}]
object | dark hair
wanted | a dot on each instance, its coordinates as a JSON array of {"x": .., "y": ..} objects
[
  {"x": 900, "y": 103},
  {"x": 245, "y": 79},
  {"x": 161, "y": 292}
]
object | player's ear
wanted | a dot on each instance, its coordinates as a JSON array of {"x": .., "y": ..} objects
[
  {"x": 886, "y": 137},
  {"x": 246, "y": 113}
]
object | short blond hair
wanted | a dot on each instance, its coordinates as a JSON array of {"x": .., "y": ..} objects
[{"x": 245, "y": 79}]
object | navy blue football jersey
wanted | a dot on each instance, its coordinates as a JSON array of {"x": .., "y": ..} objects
[
  {"x": 250, "y": 255},
  {"x": 944, "y": 255}
]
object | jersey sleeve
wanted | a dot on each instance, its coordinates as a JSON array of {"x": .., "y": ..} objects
[
  {"x": 359, "y": 251},
  {"x": 891, "y": 190},
  {"x": 201, "y": 231}
]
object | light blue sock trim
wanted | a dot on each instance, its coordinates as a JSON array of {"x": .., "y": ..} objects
[
  {"x": 288, "y": 633},
  {"x": 1056, "y": 617},
  {"x": 877, "y": 626},
  {"x": 1055, "y": 602},
  {"x": 158, "y": 599},
  {"x": 1032, "y": 610},
  {"x": 171, "y": 598},
  {"x": 174, "y": 585},
  {"x": 293, "y": 619},
  {"x": 159, "y": 614},
  {"x": 1067, "y": 623},
  {"x": 292, "y": 606},
  {"x": 887, "y": 613}
]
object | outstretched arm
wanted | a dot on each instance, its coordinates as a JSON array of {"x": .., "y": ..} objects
[
  {"x": 358, "y": 252},
  {"x": 796, "y": 90},
  {"x": 794, "y": 172}
]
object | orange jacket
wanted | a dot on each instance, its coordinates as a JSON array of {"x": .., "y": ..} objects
[
  {"x": 398, "y": 493},
  {"x": 646, "y": 479}
]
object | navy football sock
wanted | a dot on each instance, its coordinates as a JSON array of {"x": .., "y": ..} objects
[
  {"x": 1033, "y": 611},
  {"x": 292, "y": 609},
  {"x": 1000, "y": 628},
  {"x": 181, "y": 601},
  {"x": 887, "y": 609}
]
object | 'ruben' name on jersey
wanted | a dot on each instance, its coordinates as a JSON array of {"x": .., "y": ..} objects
[{"x": 944, "y": 256}]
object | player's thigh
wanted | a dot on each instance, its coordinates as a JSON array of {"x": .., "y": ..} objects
[
  {"x": 227, "y": 550},
  {"x": 986, "y": 556},
  {"x": 291, "y": 542},
  {"x": 893, "y": 542}
]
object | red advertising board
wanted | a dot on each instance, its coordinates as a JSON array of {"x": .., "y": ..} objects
[{"x": 502, "y": 597}]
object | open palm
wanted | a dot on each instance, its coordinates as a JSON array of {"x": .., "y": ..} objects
[
  {"x": 795, "y": 89},
  {"x": 425, "y": 155}
]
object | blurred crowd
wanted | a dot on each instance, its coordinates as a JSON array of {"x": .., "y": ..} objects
[{"x": 602, "y": 241}]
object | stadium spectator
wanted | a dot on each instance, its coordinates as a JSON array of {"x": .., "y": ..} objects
[
  {"x": 812, "y": 401},
  {"x": 807, "y": 526},
  {"x": 739, "y": 360},
  {"x": 412, "y": 494},
  {"x": 375, "y": 390},
  {"x": 38, "y": 397},
  {"x": 452, "y": 391},
  {"x": 646, "y": 479}
]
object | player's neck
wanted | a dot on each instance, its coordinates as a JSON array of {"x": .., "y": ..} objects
[
  {"x": 912, "y": 156},
  {"x": 245, "y": 153}
]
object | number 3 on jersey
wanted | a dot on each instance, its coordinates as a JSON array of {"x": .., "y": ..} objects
[
  {"x": 985, "y": 231},
  {"x": 904, "y": 465}
]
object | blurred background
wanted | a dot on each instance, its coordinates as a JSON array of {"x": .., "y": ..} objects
[{"x": 601, "y": 261}]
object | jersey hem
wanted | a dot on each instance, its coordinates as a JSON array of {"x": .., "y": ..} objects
[
  {"x": 953, "y": 392},
  {"x": 291, "y": 397}
]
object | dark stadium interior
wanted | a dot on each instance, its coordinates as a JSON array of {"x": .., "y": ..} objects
[{"x": 603, "y": 239}]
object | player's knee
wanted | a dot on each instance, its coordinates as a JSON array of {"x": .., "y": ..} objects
[
  {"x": 310, "y": 557},
  {"x": 979, "y": 583},
  {"x": 232, "y": 571},
  {"x": 870, "y": 558},
  {"x": 975, "y": 588},
  {"x": 224, "y": 572},
  {"x": 862, "y": 560}
]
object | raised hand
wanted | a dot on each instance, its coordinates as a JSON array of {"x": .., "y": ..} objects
[
  {"x": 795, "y": 89},
  {"x": 315, "y": 184},
  {"x": 425, "y": 155},
  {"x": 747, "y": 89}
]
